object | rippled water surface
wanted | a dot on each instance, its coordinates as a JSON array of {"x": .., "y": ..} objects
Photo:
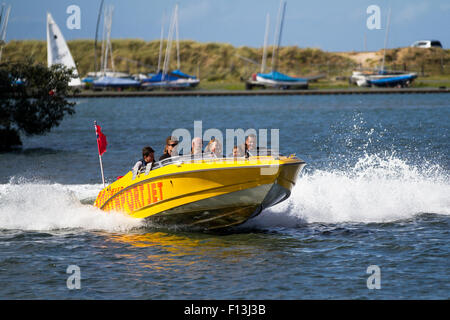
[{"x": 375, "y": 192}]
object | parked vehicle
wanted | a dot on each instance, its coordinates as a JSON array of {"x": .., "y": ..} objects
[{"x": 427, "y": 44}]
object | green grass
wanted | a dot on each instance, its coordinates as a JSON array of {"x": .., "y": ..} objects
[
  {"x": 221, "y": 85},
  {"x": 424, "y": 84},
  {"x": 329, "y": 84},
  {"x": 219, "y": 66}
]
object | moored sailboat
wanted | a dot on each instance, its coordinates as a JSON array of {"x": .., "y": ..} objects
[
  {"x": 382, "y": 77},
  {"x": 275, "y": 79},
  {"x": 165, "y": 79},
  {"x": 108, "y": 77},
  {"x": 58, "y": 52}
]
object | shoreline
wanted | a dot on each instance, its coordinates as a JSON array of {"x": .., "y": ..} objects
[{"x": 213, "y": 93}]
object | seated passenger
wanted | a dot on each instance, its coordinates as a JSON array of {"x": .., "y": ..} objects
[
  {"x": 197, "y": 146},
  {"x": 249, "y": 147},
  {"x": 235, "y": 153},
  {"x": 170, "y": 148},
  {"x": 208, "y": 147},
  {"x": 214, "y": 148},
  {"x": 148, "y": 158}
]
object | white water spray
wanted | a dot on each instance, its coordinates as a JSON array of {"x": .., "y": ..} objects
[
  {"x": 44, "y": 206},
  {"x": 377, "y": 189}
]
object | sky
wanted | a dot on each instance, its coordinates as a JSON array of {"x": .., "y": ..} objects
[{"x": 326, "y": 24}]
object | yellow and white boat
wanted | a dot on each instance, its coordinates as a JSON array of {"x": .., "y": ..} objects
[{"x": 206, "y": 192}]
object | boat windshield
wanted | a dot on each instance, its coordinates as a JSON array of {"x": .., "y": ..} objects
[
  {"x": 210, "y": 158},
  {"x": 213, "y": 158}
]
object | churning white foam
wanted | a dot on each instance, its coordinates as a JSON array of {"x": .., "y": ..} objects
[
  {"x": 44, "y": 206},
  {"x": 375, "y": 189}
]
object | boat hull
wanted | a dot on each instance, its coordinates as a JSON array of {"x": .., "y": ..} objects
[
  {"x": 174, "y": 84},
  {"x": 203, "y": 194},
  {"x": 393, "y": 80},
  {"x": 382, "y": 80},
  {"x": 278, "y": 84}
]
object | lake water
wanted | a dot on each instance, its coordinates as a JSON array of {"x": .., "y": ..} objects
[{"x": 375, "y": 192}]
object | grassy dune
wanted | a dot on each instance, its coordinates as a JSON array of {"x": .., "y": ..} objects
[{"x": 221, "y": 65}]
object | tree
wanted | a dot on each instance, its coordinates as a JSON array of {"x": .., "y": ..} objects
[{"x": 33, "y": 99}]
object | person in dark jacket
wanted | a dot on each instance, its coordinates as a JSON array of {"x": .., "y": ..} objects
[
  {"x": 170, "y": 148},
  {"x": 148, "y": 158}
]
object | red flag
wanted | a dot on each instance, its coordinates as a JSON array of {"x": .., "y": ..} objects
[{"x": 101, "y": 140}]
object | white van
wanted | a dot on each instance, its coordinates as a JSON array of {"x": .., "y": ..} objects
[{"x": 427, "y": 44}]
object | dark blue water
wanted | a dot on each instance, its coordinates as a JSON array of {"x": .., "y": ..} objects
[{"x": 375, "y": 192}]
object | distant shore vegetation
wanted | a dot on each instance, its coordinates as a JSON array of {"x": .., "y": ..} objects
[
  {"x": 221, "y": 60},
  {"x": 224, "y": 63}
]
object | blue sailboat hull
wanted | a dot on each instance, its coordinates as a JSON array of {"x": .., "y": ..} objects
[
  {"x": 105, "y": 82},
  {"x": 393, "y": 81},
  {"x": 276, "y": 80},
  {"x": 171, "y": 80},
  {"x": 280, "y": 77}
]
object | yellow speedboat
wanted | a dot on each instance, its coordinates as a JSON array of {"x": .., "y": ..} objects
[{"x": 205, "y": 192}]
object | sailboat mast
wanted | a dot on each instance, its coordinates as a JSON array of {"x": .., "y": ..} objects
[
  {"x": 266, "y": 38},
  {"x": 386, "y": 38},
  {"x": 177, "y": 37},
  {"x": 102, "y": 57},
  {"x": 96, "y": 36},
  {"x": 107, "y": 40},
  {"x": 3, "y": 29},
  {"x": 169, "y": 46},
  {"x": 1, "y": 13},
  {"x": 277, "y": 27},
  {"x": 161, "y": 41},
  {"x": 109, "y": 37},
  {"x": 279, "y": 32}
]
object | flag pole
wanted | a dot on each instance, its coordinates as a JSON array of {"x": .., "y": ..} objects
[
  {"x": 101, "y": 169},
  {"x": 99, "y": 156}
]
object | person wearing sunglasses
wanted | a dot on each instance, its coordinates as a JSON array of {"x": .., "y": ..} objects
[
  {"x": 170, "y": 148},
  {"x": 148, "y": 158}
]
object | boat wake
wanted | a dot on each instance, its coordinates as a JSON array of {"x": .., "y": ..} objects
[
  {"x": 376, "y": 189},
  {"x": 31, "y": 205}
]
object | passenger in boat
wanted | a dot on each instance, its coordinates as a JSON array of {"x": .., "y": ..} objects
[
  {"x": 148, "y": 158},
  {"x": 214, "y": 148},
  {"x": 197, "y": 147},
  {"x": 208, "y": 147},
  {"x": 170, "y": 148},
  {"x": 249, "y": 147},
  {"x": 235, "y": 152}
]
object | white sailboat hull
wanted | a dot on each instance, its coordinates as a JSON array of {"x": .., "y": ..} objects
[
  {"x": 278, "y": 83},
  {"x": 389, "y": 79}
]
